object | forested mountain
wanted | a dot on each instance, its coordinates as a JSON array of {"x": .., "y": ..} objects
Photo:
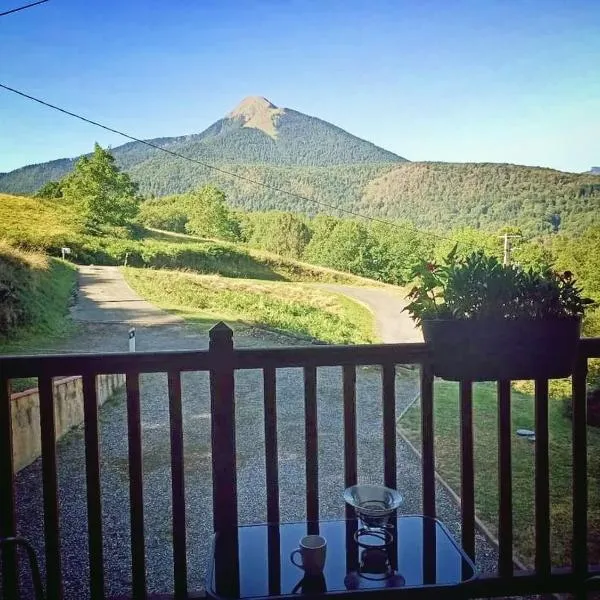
[
  {"x": 312, "y": 158},
  {"x": 485, "y": 195},
  {"x": 442, "y": 196},
  {"x": 255, "y": 132}
]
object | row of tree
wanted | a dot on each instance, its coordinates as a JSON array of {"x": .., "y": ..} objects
[{"x": 373, "y": 248}]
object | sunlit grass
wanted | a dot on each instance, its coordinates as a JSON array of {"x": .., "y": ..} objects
[
  {"x": 447, "y": 448},
  {"x": 37, "y": 291},
  {"x": 292, "y": 307}
]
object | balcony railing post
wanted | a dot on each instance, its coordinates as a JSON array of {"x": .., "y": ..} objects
[
  {"x": 427, "y": 440},
  {"x": 223, "y": 427},
  {"x": 7, "y": 497},
  {"x": 580, "y": 465},
  {"x": 505, "y": 517}
]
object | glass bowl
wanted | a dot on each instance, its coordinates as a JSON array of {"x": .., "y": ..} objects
[{"x": 374, "y": 504}]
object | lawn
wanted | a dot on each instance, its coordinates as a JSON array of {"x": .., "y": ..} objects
[
  {"x": 292, "y": 307},
  {"x": 447, "y": 448}
]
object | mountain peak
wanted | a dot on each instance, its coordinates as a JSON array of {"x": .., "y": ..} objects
[{"x": 257, "y": 112}]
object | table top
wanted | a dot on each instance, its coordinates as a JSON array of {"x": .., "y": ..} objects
[{"x": 253, "y": 561}]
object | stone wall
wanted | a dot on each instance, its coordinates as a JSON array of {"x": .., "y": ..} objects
[{"x": 68, "y": 412}]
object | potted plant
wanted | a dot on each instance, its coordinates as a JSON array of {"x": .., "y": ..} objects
[{"x": 487, "y": 321}]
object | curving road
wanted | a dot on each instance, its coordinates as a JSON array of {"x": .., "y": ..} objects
[{"x": 391, "y": 323}]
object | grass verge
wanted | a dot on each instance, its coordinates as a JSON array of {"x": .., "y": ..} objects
[
  {"x": 447, "y": 449},
  {"x": 290, "y": 307},
  {"x": 35, "y": 293}
]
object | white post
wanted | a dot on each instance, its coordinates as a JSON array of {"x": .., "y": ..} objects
[
  {"x": 506, "y": 249},
  {"x": 507, "y": 237},
  {"x": 132, "y": 339}
]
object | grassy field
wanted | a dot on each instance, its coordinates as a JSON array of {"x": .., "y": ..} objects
[
  {"x": 36, "y": 292},
  {"x": 292, "y": 307},
  {"x": 447, "y": 448}
]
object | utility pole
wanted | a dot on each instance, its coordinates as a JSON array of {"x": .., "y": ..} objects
[{"x": 507, "y": 237}]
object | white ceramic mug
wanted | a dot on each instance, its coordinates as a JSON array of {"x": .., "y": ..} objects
[{"x": 312, "y": 551}]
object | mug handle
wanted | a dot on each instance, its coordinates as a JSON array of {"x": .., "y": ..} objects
[{"x": 294, "y": 552}]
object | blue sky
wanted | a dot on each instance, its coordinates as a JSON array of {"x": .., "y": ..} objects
[{"x": 488, "y": 80}]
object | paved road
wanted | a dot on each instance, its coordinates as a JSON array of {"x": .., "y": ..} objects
[
  {"x": 392, "y": 324},
  {"x": 100, "y": 334}
]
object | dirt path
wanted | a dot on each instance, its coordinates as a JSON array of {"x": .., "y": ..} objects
[
  {"x": 105, "y": 297},
  {"x": 392, "y": 325}
]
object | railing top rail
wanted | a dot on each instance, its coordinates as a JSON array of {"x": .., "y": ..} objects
[
  {"x": 241, "y": 358},
  {"x": 204, "y": 360}
]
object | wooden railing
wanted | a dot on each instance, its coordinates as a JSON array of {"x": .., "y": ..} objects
[{"x": 221, "y": 360}]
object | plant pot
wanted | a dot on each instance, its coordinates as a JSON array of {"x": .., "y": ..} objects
[{"x": 494, "y": 349}]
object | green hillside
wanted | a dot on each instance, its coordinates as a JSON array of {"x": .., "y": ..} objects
[
  {"x": 35, "y": 293},
  {"x": 485, "y": 195},
  {"x": 45, "y": 225}
]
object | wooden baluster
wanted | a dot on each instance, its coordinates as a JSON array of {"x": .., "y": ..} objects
[
  {"x": 388, "y": 382},
  {"x": 50, "y": 485},
  {"x": 311, "y": 444},
  {"x": 505, "y": 525},
  {"x": 428, "y": 456},
  {"x": 93, "y": 490},
  {"x": 542, "y": 480},
  {"x": 580, "y": 484},
  {"x": 8, "y": 523},
  {"x": 136, "y": 489},
  {"x": 350, "y": 454},
  {"x": 271, "y": 453},
  {"x": 177, "y": 485},
  {"x": 467, "y": 471}
]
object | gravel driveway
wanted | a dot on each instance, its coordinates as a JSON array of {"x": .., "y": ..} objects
[{"x": 101, "y": 331}]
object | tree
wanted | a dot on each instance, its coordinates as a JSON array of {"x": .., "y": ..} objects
[
  {"x": 102, "y": 194},
  {"x": 347, "y": 248},
  {"x": 321, "y": 227},
  {"x": 283, "y": 233},
  {"x": 395, "y": 250},
  {"x": 164, "y": 213},
  {"x": 50, "y": 190},
  {"x": 208, "y": 214}
]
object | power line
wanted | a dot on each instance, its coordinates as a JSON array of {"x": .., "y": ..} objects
[
  {"x": 218, "y": 169},
  {"x": 14, "y": 10}
]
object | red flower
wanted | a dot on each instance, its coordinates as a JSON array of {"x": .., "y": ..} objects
[{"x": 431, "y": 266}]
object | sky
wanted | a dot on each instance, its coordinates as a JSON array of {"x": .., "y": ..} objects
[{"x": 514, "y": 81}]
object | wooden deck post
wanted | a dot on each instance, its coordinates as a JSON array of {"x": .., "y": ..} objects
[{"x": 223, "y": 428}]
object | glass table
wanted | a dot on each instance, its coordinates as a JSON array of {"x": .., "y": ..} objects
[{"x": 253, "y": 561}]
